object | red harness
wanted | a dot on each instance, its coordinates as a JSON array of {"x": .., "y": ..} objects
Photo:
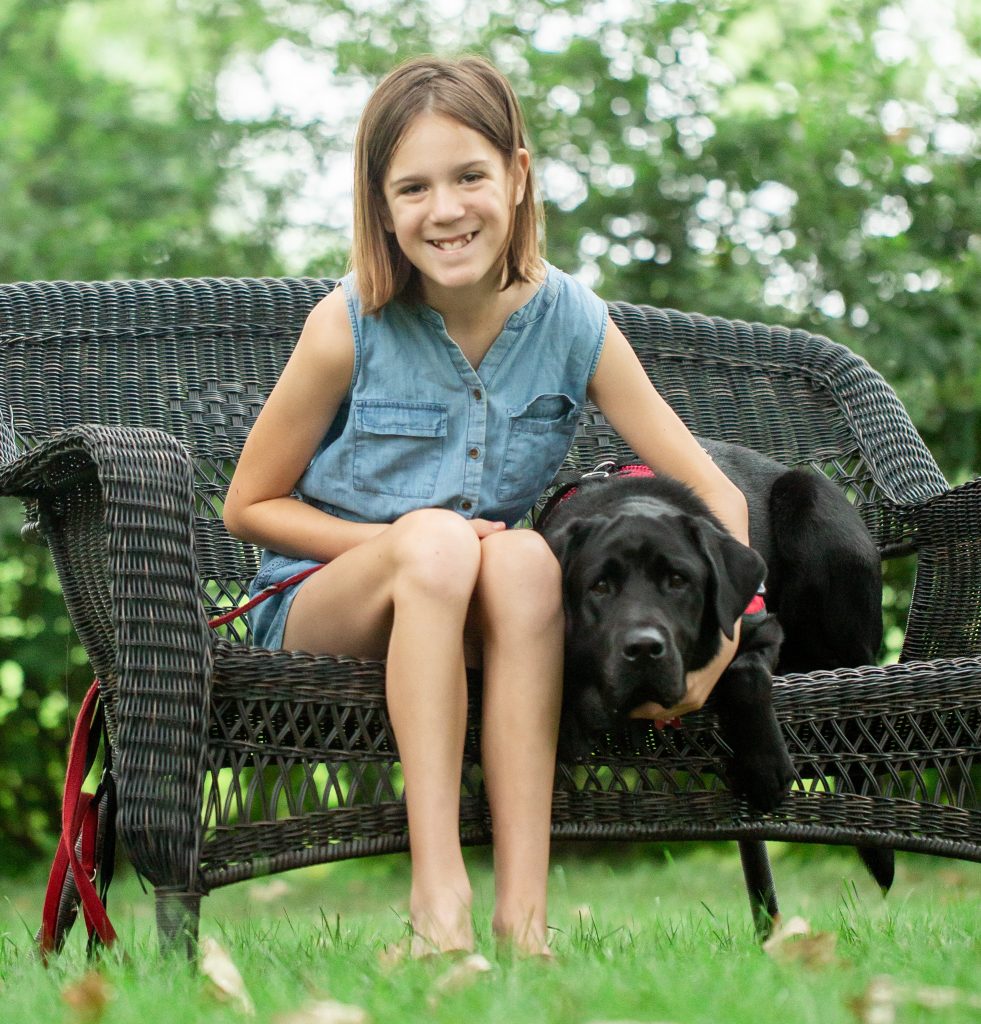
[{"x": 602, "y": 472}]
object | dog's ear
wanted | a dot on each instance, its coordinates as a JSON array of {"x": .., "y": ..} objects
[
  {"x": 568, "y": 539},
  {"x": 736, "y": 572}
]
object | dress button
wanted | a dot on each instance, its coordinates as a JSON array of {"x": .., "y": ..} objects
[
  {"x": 478, "y": 394},
  {"x": 466, "y": 505},
  {"x": 474, "y": 453}
]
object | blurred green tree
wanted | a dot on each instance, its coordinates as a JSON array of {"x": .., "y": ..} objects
[{"x": 741, "y": 157}]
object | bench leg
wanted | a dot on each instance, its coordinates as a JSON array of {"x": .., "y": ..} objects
[
  {"x": 759, "y": 886},
  {"x": 178, "y": 913}
]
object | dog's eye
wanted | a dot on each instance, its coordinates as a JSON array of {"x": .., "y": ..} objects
[
  {"x": 600, "y": 587},
  {"x": 676, "y": 581}
]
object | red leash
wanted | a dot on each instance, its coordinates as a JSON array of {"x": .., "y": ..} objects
[
  {"x": 78, "y": 847},
  {"x": 264, "y": 595},
  {"x": 79, "y": 851}
]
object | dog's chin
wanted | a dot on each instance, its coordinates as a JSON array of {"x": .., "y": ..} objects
[
  {"x": 628, "y": 688},
  {"x": 615, "y": 688},
  {"x": 592, "y": 713}
]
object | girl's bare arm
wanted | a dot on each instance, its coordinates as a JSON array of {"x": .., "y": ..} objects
[
  {"x": 622, "y": 390},
  {"x": 285, "y": 437}
]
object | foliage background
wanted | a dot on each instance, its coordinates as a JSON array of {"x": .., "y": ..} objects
[{"x": 813, "y": 165}]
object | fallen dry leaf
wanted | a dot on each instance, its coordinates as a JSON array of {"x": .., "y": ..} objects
[
  {"x": 464, "y": 973},
  {"x": 785, "y": 930},
  {"x": 87, "y": 997},
  {"x": 325, "y": 1011},
  {"x": 935, "y": 997},
  {"x": 226, "y": 982},
  {"x": 879, "y": 1003},
  {"x": 793, "y": 941},
  {"x": 458, "y": 977}
]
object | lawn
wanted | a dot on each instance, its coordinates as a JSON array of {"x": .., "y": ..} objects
[{"x": 645, "y": 936}]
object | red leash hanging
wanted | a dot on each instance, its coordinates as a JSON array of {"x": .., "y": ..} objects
[
  {"x": 79, "y": 853},
  {"x": 78, "y": 847}
]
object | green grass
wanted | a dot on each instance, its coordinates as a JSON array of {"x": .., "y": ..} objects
[{"x": 642, "y": 937}]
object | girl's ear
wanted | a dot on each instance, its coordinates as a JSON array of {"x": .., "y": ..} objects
[
  {"x": 386, "y": 218},
  {"x": 522, "y": 165}
]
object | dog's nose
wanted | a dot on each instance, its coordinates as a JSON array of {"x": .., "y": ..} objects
[{"x": 643, "y": 645}]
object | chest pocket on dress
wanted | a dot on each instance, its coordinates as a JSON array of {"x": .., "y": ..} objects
[
  {"x": 539, "y": 436},
  {"x": 398, "y": 447}
]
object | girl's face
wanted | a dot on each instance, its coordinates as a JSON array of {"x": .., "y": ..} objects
[{"x": 448, "y": 200}]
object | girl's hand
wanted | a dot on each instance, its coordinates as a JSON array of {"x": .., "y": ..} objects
[
  {"x": 485, "y": 527},
  {"x": 700, "y": 686},
  {"x": 701, "y": 682}
]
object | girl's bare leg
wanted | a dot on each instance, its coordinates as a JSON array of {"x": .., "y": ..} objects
[
  {"x": 520, "y": 601},
  {"x": 426, "y": 688},
  {"x": 405, "y": 594}
]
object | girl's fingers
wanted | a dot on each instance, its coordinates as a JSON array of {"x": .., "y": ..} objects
[{"x": 485, "y": 527}]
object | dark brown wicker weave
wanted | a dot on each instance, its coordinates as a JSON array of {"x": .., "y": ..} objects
[{"x": 129, "y": 402}]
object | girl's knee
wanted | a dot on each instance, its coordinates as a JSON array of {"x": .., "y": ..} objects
[
  {"x": 437, "y": 552},
  {"x": 519, "y": 567}
]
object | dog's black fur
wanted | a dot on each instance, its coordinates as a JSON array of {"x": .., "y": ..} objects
[{"x": 651, "y": 577}]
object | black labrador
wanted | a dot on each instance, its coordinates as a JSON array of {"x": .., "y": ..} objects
[{"x": 651, "y": 577}]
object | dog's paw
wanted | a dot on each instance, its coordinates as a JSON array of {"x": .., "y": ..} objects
[{"x": 764, "y": 778}]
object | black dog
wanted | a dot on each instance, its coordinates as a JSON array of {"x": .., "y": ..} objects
[{"x": 650, "y": 577}]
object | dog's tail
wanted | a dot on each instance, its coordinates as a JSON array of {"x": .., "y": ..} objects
[
  {"x": 881, "y": 865},
  {"x": 822, "y": 548}
]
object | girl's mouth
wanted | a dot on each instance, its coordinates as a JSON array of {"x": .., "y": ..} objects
[{"x": 452, "y": 244}]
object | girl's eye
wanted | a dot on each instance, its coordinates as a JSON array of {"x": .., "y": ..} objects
[{"x": 472, "y": 177}]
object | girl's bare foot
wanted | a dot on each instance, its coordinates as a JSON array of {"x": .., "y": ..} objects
[
  {"x": 441, "y": 924},
  {"x": 529, "y": 939},
  {"x": 422, "y": 948}
]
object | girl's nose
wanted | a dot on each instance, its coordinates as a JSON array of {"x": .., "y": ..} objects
[{"x": 447, "y": 206}]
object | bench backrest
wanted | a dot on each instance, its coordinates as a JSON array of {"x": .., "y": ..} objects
[{"x": 196, "y": 358}]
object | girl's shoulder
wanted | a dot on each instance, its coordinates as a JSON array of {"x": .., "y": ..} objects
[
  {"x": 329, "y": 311},
  {"x": 327, "y": 337}
]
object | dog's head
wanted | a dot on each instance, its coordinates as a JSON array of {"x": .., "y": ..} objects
[{"x": 646, "y": 590}]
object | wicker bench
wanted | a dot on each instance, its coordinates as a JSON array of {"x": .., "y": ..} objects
[{"x": 124, "y": 407}]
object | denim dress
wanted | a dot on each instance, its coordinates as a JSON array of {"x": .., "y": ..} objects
[{"x": 422, "y": 428}]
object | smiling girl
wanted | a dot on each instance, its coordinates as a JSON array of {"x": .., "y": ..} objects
[{"x": 430, "y": 399}]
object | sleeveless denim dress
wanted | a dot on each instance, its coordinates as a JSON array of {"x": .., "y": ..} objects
[{"x": 422, "y": 428}]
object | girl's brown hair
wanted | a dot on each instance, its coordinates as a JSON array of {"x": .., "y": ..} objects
[{"x": 469, "y": 90}]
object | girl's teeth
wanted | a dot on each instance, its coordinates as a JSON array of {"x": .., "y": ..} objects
[{"x": 456, "y": 243}]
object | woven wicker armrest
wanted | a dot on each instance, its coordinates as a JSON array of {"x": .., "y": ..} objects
[
  {"x": 115, "y": 507},
  {"x": 945, "y": 613}
]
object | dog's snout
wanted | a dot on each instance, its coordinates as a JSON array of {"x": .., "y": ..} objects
[{"x": 645, "y": 644}]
